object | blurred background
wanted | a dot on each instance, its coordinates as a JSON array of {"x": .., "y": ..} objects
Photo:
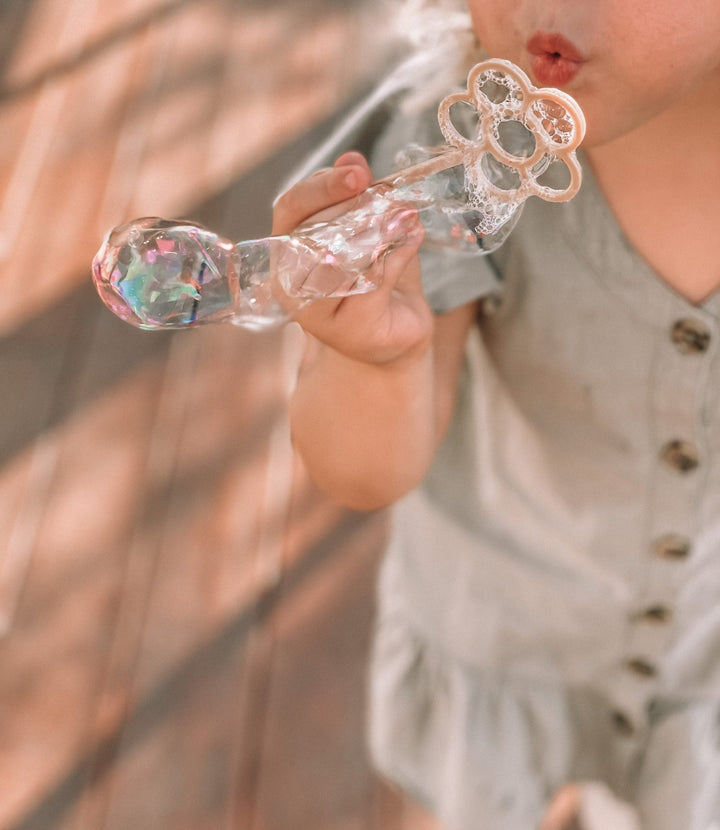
[{"x": 184, "y": 620}]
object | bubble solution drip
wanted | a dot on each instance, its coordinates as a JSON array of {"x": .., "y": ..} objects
[{"x": 506, "y": 141}]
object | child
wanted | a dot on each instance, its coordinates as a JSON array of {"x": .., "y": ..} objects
[{"x": 547, "y": 427}]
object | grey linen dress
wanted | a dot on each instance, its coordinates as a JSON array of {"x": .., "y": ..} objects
[{"x": 549, "y": 606}]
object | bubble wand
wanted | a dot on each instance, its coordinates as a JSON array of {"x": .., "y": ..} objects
[{"x": 159, "y": 274}]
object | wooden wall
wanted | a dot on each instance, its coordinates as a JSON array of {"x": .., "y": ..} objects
[{"x": 184, "y": 621}]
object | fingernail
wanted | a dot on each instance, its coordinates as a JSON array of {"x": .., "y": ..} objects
[{"x": 351, "y": 181}]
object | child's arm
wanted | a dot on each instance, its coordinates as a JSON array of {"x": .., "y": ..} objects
[{"x": 376, "y": 388}]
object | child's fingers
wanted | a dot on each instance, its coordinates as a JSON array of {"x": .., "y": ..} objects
[
  {"x": 322, "y": 190},
  {"x": 351, "y": 157},
  {"x": 351, "y": 325}
]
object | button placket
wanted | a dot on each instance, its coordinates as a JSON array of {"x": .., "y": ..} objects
[
  {"x": 676, "y": 394},
  {"x": 628, "y": 703}
]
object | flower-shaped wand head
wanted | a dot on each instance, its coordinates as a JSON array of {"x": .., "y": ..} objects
[{"x": 513, "y": 139}]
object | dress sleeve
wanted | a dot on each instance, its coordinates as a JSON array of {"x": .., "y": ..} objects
[{"x": 451, "y": 280}]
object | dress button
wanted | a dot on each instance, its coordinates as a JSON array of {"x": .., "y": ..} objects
[
  {"x": 654, "y": 614},
  {"x": 672, "y": 546},
  {"x": 681, "y": 456},
  {"x": 690, "y": 336},
  {"x": 491, "y": 304},
  {"x": 622, "y": 723},
  {"x": 641, "y": 667}
]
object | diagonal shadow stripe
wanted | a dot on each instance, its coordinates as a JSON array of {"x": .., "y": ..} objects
[
  {"x": 102, "y": 44},
  {"x": 13, "y": 16},
  {"x": 45, "y": 365},
  {"x": 161, "y": 702}
]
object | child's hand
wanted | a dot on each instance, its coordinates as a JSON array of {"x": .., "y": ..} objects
[{"x": 391, "y": 324}]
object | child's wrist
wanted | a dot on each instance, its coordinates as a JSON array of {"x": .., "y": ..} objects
[{"x": 335, "y": 361}]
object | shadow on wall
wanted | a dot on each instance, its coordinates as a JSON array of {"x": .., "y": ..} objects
[
  {"x": 14, "y": 15},
  {"x": 38, "y": 360},
  {"x": 31, "y": 351}
]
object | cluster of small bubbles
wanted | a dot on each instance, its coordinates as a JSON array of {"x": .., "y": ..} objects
[
  {"x": 555, "y": 121},
  {"x": 522, "y": 132},
  {"x": 491, "y": 214},
  {"x": 498, "y": 88}
]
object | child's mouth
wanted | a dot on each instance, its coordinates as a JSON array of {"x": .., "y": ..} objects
[{"x": 554, "y": 60}]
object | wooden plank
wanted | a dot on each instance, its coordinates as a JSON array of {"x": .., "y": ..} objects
[
  {"x": 58, "y": 645},
  {"x": 181, "y": 624},
  {"x": 58, "y": 27},
  {"x": 124, "y": 702},
  {"x": 31, "y": 375},
  {"x": 67, "y": 685},
  {"x": 314, "y": 766},
  {"x": 148, "y": 759},
  {"x": 148, "y": 677}
]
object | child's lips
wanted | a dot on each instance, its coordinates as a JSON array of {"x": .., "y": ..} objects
[{"x": 554, "y": 59}]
